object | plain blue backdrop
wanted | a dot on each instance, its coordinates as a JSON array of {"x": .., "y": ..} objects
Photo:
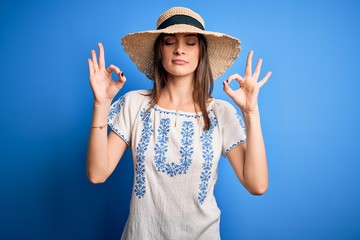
[{"x": 309, "y": 109}]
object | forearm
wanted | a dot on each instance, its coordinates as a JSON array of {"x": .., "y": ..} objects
[
  {"x": 97, "y": 164},
  {"x": 255, "y": 165}
]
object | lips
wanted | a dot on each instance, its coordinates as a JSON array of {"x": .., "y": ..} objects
[{"x": 179, "y": 61}]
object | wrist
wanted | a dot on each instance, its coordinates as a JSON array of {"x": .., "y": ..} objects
[
  {"x": 102, "y": 104},
  {"x": 99, "y": 126},
  {"x": 250, "y": 116},
  {"x": 253, "y": 112},
  {"x": 100, "y": 114}
]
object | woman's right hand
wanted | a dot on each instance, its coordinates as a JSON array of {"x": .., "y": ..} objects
[{"x": 103, "y": 86}]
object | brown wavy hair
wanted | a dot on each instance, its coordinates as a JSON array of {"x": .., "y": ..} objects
[{"x": 203, "y": 78}]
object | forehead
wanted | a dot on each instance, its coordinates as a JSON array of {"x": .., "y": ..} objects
[{"x": 181, "y": 35}]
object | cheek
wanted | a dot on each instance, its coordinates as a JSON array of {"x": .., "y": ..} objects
[
  {"x": 165, "y": 55},
  {"x": 196, "y": 56},
  {"x": 197, "y": 53}
]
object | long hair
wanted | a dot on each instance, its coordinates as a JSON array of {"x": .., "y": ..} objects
[{"x": 203, "y": 78}]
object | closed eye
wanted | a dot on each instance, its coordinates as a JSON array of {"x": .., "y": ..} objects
[
  {"x": 168, "y": 43},
  {"x": 169, "y": 40}
]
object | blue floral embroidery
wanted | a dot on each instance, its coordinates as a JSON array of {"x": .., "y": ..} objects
[
  {"x": 234, "y": 145},
  {"x": 114, "y": 110},
  {"x": 194, "y": 115},
  {"x": 161, "y": 146},
  {"x": 242, "y": 125},
  {"x": 206, "y": 140},
  {"x": 146, "y": 133},
  {"x": 241, "y": 122},
  {"x": 186, "y": 150},
  {"x": 116, "y": 107}
]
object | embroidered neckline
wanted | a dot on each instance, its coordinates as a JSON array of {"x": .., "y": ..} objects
[{"x": 182, "y": 113}]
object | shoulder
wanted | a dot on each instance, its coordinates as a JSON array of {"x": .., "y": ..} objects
[
  {"x": 222, "y": 107},
  {"x": 135, "y": 97},
  {"x": 137, "y": 94},
  {"x": 225, "y": 112},
  {"x": 131, "y": 101}
]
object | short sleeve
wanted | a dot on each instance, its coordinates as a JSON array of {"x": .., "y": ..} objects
[
  {"x": 119, "y": 119},
  {"x": 232, "y": 126}
]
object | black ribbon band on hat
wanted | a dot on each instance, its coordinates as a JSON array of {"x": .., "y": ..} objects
[{"x": 180, "y": 19}]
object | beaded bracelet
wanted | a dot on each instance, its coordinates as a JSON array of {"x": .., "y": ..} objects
[{"x": 101, "y": 127}]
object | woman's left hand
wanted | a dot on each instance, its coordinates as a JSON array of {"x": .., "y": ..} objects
[{"x": 246, "y": 96}]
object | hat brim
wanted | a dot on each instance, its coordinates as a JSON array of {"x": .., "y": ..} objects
[{"x": 223, "y": 49}]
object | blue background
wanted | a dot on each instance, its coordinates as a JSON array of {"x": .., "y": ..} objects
[{"x": 309, "y": 111}]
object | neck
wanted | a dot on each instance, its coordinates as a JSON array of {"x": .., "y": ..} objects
[
  {"x": 178, "y": 90},
  {"x": 178, "y": 94}
]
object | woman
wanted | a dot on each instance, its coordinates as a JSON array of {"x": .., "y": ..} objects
[{"x": 177, "y": 131}]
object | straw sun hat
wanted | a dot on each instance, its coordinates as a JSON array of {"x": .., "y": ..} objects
[{"x": 222, "y": 49}]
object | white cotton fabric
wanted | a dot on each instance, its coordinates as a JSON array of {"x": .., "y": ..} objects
[{"x": 175, "y": 166}]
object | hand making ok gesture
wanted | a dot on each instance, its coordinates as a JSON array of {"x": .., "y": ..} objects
[
  {"x": 102, "y": 85},
  {"x": 246, "y": 96}
]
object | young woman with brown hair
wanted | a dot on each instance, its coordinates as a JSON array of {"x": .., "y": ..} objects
[{"x": 177, "y": 131}]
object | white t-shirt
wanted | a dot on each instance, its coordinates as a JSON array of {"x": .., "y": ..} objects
[{"x": 175, "y": 166}]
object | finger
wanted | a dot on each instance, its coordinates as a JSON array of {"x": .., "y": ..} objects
[
  {"x": 122, "y": 78},
  {"x": 264, "y": 80},
  {"x": 119, "y": 73},
  {"x": 94, "y": 60},
  {"x": 248, "y": 68},
  {"x": 258, "y": 69},
  {"x": 236, "y": 77},
  {"x": 101, "y": 56},
  {"x": 91, "y": 67},
  {"x": 113, "y": 68}
]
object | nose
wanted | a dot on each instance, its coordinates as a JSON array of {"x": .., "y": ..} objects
[{"x": 179, "y": 49}]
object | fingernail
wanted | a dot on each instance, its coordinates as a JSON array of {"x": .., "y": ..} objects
[
  {"x": 122, "y": 74},
  {"x": 224, "y": 83}
]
